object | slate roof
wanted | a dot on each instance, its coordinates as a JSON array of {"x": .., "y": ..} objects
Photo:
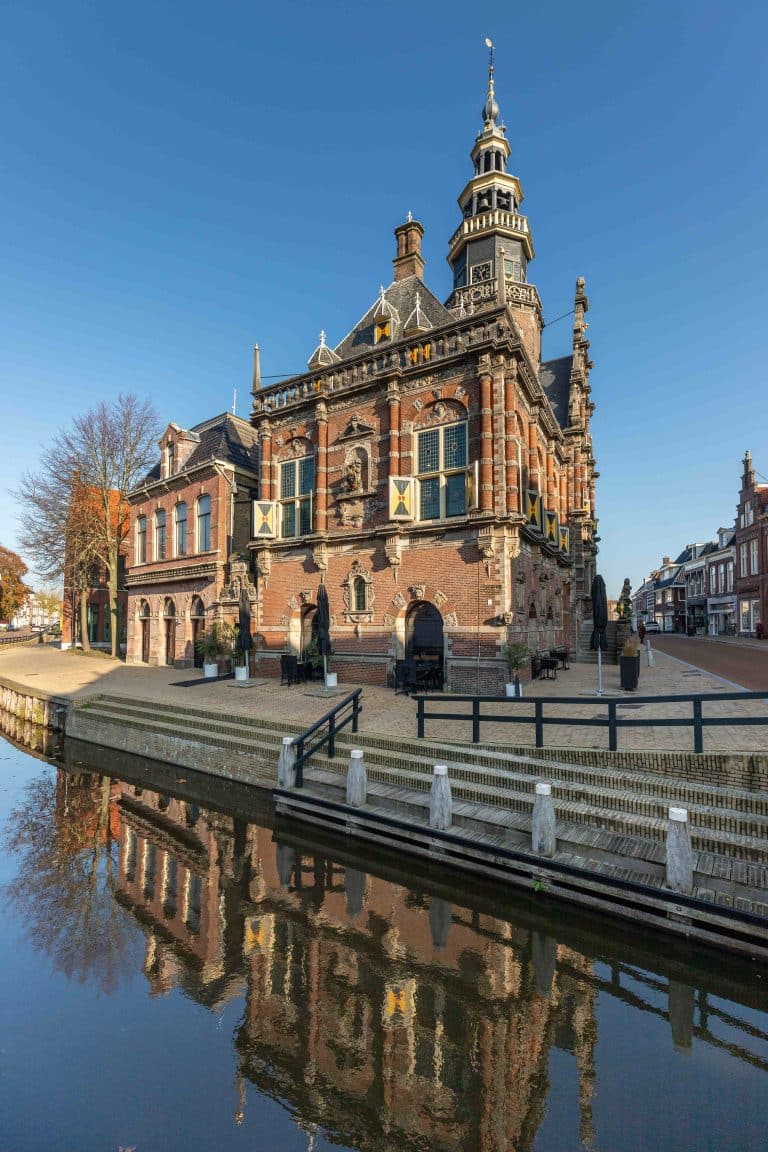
[
  {"x": 225, "y": 437},
  {"x": 555, "y": 379},
  {"x": 401, "y": 295}
]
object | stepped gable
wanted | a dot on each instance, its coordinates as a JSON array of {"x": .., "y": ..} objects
[
  {"x": 401, "y": 296},
  {"x": 555, "y": 379}
]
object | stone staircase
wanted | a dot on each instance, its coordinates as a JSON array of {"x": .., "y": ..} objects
[
  {"x": 585, "y": 655},
  {"x": 613, "y": 821}
]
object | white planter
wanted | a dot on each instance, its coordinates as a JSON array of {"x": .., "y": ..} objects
[
  {"x": 210, "y": 670},
  {"x": 241, "y": 672},
  {"x": 514, "y": 690},
  {"x": 331, "y": 679}
]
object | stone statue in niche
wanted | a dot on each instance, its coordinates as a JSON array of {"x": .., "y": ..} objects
[{"x": 353, "y": 474}]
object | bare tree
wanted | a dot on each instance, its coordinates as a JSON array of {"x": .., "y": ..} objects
[{"x": 75, "y": 509}]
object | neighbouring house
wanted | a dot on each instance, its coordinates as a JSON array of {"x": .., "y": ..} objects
[
  {"x": 751, "y": 545},
  {"x": 721, "y": 593},
  {"x": 189, "y": 534}
]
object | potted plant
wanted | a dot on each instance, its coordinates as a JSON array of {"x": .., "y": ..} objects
[
  {"x": 516, "y": 655},
  {"x": 212, "y": 645},
  {"x": 629, "y": 664}
]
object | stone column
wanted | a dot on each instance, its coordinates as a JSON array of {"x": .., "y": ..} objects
[
  {"x": 321, "y": 482},
  {"x": 511, "y": 447},
  {"x": 543, "y": 831},
  {"x": 486, "y": 443},
  {"x": 265, "y": 467},
  {"x": 393, "y": 399},
  {"x": 679, "y": 852}
]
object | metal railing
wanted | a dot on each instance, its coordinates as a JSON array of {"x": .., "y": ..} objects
[
  {"x": 613, "y": 721},
  {"x": 326, "y": 729}
]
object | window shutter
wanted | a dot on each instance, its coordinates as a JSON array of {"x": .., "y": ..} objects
[
  {"x": 401, "y": 498},
  {"x": 473, "y": 486},
  {"x": 264, "y": 519}
]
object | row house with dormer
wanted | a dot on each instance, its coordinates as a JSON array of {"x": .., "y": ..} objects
[
  {"x": 751, "y": 544},
  {"x": 189, "y": 534}
]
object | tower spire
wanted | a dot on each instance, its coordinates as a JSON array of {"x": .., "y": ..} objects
[{"x": 490, "y": 108}]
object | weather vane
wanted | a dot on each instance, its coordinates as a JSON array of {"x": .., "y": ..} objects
[{"x": 490, "y": 47}]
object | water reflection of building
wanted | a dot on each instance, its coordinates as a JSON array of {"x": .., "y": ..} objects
[
  {"x": 177, "y": 874},
  {"x": 389, "y": 1018}
]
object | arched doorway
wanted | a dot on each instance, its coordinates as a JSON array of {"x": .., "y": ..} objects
[
  {"x": 197, "y": 616},
  {"x": 144, "y": 624},
  {"x": 169, "y": 619},
  {"x": 424, "y": 641}
]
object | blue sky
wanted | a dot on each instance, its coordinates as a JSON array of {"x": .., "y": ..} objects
[{"x": 183, "y": 180}]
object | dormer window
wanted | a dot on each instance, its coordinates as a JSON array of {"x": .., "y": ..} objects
[
  {"x": 170, "y": 458},
  {"x": 383, "y": 331}
]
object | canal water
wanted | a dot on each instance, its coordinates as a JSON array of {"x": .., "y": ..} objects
[{"x": 182, "y": 969}]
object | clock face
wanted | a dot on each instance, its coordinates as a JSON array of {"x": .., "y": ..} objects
[{"x": 481, "y": 272}]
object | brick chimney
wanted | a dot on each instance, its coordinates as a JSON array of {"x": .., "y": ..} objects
[
  {"x": 665, "y": 562},
  {"x": 409, "y": 261}
]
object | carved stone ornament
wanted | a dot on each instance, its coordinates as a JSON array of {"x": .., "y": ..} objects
[
  {"x": 389, "y": 620},
  {"x": 399, "y": 600},
  {"x": 393, "y": 549},
  {"x": 520, "y": 577},
  {"x": 307, "y": 596},
  {"x": 439, "y": 598},
  {"x": 357, "y": 427},
  {"x": 417, "y": 591},
  {"x": 320, "y": 557},
  {"x": 264, "y": 563},
  {"x": 293, "y": 603},
  {"x": 283, "y": 621},
  {"x": 505, "y": 618},
  {"x": 451, "y": 620},
  {"x": 350, "y": 588}
]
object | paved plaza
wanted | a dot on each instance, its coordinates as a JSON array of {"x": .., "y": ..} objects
[{"x": 387, "y": 714}]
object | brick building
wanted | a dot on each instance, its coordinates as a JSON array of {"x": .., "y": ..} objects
[
  {"x": 188, "y": 544},
  {"x": 430, "y": 469},
  {"x": 751, "y": 543},
  {"x": 721, "y": 597}
]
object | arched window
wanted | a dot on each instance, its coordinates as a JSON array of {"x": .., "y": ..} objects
[
  {"x": 360, "y": 594},
  {"x": 141, "y": 540},
  {"x": 181, "y": 529},
  {"x": 442, "y": 471},
  {"x": 160, "y": 534},
  {"x": 204, "y": 524}
]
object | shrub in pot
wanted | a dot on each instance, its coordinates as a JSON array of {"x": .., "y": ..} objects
[
  {"x": 516, "y": 655},
  {"x": 213, "y": 645}
]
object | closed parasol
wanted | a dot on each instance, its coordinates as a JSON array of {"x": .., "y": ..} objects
[
  {"x": 323, "y": 622},
  {"x": 599, "y": 639},
  {"x": 244, "y": 640}
]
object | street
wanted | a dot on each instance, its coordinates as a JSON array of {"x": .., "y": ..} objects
[{"x": 745, "y": 664}]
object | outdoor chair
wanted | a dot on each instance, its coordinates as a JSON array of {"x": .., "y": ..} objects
[
  {"x": 561, "y": 655},
  {"x": 548, "y": 665},
  {"x": 405, "y": 676},
  {"x": 289, "y": 671}
]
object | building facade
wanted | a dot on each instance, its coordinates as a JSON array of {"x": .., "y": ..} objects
[
  {"x": 188, "y": 543},
  {"x": 751, "y": 544},
  {"x": 721, "y": 595},
  {"x": 430, "y": 469}
]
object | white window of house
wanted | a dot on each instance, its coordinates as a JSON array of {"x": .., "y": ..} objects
[
  {"x": 141, "y": 539},
  {"x": 753, "y": 557},
  {"x": 742, "y": 559},
  {"x": 181, "y": 529},
  {"x": 729, "y": 582},
  {"x": 297, "y": 485},
  {"x": 442, "y": 471},
  {"x": 204, "y": 524},
  {"x": 160, "y": 534}
]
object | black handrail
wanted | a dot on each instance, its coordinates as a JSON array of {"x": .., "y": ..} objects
[
  {"x": 613, "y": 721},
  {"x": 329, "y": 737}
]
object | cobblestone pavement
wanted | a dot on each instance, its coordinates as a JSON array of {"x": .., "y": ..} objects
[{"x": 384, "y": 713}]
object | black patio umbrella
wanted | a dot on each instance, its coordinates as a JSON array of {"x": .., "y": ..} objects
[
  {"x": 244, "y": 639},
  {"x": 323, "y": 621},
  {"x": 599, "y": 640}
]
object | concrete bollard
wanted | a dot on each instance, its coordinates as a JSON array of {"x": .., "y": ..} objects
[
  {"x": 357, "y": 780},
  {"x": 679, "y": 852},
  {"x": 543, "y": 834},
  {"x": 440, "y": 800},
  {"x": 286, "y": 764}
]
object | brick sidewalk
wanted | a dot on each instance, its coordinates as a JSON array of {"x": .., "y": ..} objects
[{"x": 72, "y": 674}]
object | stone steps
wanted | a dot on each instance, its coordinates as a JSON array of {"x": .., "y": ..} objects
[{"x": 617, "y": 803}]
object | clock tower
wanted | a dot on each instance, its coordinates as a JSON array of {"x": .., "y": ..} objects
[{"x": 490, "y": 251}]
